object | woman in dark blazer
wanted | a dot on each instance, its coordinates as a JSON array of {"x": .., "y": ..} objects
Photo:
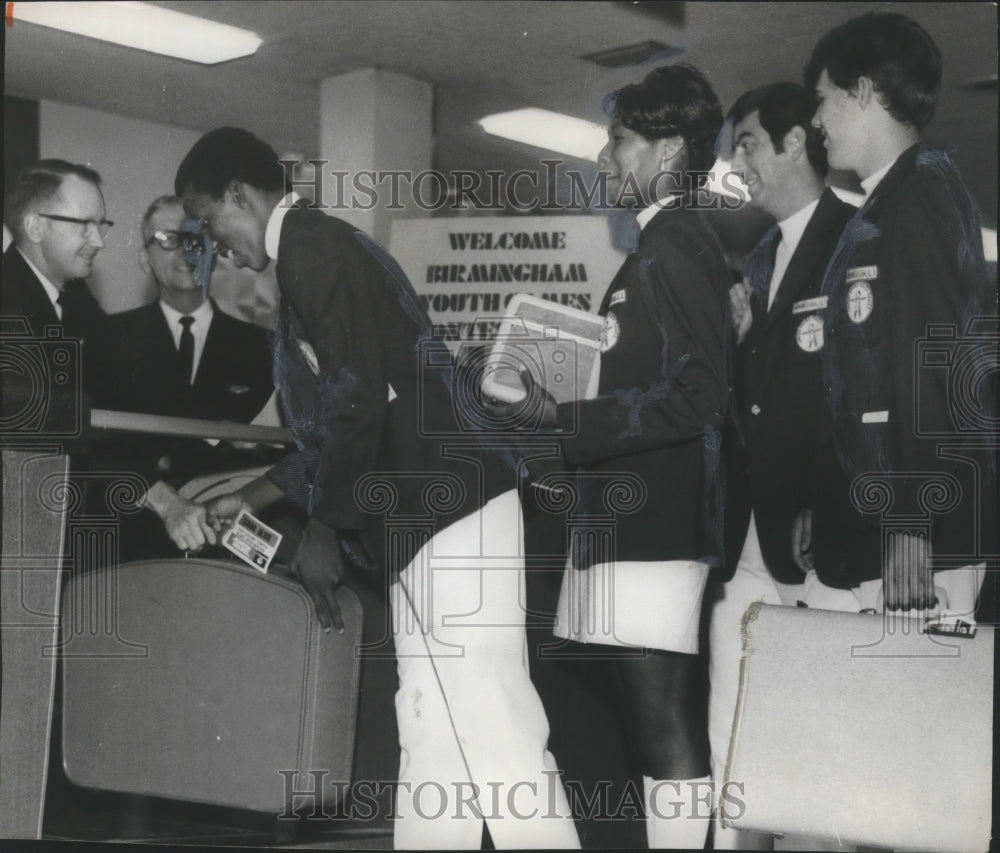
[{"x": 645, "y": 451}]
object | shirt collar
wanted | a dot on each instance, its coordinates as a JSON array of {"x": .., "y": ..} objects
[
  {"x": 202, "y": 312},
  {"x": 272, "y": 236},
  {"x": 50, "y": 289},
  {"x": 872, "y": 181},
  {"x": 794, "y": 226},
  {"x": 643, "y": 217}
]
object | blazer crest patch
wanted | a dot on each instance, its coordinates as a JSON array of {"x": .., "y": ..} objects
[
  {"x": 860, "y": 301},
  {"x": 809, "y": 334}
]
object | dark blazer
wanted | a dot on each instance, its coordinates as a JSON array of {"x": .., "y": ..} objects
[
  {"x": 26, "y": 310},
  {"x": 907, "y": 370},
  {"x": 22, "y": 294},
  {"x": 233, "y": 382},
  {"x": 781, "y": 418},
  {"x": 661, "y": 400},
  {"x": 369, "y": 398},
  {"x": 234, "y": 374}
]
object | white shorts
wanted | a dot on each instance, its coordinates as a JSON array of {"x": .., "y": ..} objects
[{"x": 653, "y": 605}]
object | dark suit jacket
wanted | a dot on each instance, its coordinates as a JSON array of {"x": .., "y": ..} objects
[
  {"x": 662, "y": 398},
  {"x": 908, "y": 377},
  {"x": 22, "y": 294},
  {"x": 234, "y": 374},
  {"x": 233, "y": 382},
  {"x": 350, "y": 335},
  {"x": 26, "y": 313},
  {"x": 781, "y": 414}
]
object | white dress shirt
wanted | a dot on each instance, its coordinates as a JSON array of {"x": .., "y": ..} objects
[
  {"x": 202, "y": 316},
  {"x": 272, "y": 235},
  {"x": 792, "y": 230},
  {"x": 50, "y": 289}
]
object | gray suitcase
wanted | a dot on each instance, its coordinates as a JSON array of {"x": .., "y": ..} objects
[
  {"x": 862, "y": 730},
  {"x": 207, "y": 681}
]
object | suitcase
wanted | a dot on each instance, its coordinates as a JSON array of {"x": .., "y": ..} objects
[
  {"x": 862, "y": 730},
  {"x": 35, "y": 501},
  {"x": 207, "y": 681}
]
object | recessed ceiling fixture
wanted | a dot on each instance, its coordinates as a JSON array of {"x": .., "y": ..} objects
[
  {"x": 633, "y": 54},
  {"x": 564, "y": 134},
  {"x": 145, "y": 27}
]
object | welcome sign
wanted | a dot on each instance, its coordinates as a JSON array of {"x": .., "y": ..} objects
[{"x": 466, "y": 270}]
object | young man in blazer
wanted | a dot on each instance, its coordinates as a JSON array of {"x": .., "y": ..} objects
[
  {"x": 911, "y": 332},
  {"x": 223, "y": 372},
  {"x": 781, "y": 421},
  {"x": 395, "y": 487}
]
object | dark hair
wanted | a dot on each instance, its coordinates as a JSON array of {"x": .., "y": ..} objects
[
  {"x": 782, "y": 106},
  {"x": 158, "y": 205},
  {"x": 229, "y": 154},
  {"x": 894, "y": 52},
  {"x": 39, "y": 183},
  {"x": 675, "y": 100}
]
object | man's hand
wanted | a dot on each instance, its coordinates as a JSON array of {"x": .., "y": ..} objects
[
  {"x": 537, "y": 400},
  {"x": 739, "y": 301},
  {"x": 802, "y": 552},
  {"x": 318, "y": 564},
  {"x": 185, "y": 521},
  {"x": 224, "y": 509},
  {"x": 906, "y": 575}
]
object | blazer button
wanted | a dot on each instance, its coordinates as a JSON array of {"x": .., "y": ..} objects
[{"x": 755, "y": 409}]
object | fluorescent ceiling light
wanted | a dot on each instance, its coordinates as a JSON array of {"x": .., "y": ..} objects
[
  {"x": 545, "y": 129},
  {"x": 145, "y": 27}
]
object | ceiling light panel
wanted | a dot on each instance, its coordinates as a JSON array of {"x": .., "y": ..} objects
[
  {"x": 564, "y": 134},
  {"x": 144, "y": 27}
]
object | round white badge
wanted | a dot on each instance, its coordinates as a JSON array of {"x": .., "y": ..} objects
[
  {"x": 809, "y": 335},
  {"x": 310, "y": 356},
  {"x": 611, "y": 332},
  {"x": 860, "y": 301}
]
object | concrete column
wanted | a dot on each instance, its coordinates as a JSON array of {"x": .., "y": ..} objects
[{"x": 375, "y": 121}]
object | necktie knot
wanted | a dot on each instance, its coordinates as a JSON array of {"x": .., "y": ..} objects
[{"x": 184, "y": 321}]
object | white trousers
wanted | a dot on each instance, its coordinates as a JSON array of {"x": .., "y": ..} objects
[
  {"x": 751, "y": 582},
  {"x": 472, "y": 730}
]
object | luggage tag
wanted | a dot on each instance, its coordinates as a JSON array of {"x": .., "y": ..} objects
[
  {"x": 252, "y": 541},
  {"x": 951, "y": 625}
]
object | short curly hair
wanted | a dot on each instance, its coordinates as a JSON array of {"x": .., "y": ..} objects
[
  {"x": 229, "y": 154},
  {"x": 674, "y": 100}
]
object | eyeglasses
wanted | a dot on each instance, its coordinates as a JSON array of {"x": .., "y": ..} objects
[
  {"x": 89, "y": 226},
  {"x": 191, "y": 242}
]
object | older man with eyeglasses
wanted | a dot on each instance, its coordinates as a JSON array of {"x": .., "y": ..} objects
[
  {"x": 180, "y": 356},
  {"x": 56, "y": 214}
]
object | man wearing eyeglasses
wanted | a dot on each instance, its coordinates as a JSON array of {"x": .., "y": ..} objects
[
  {"x": 57, "y": 217},
  {"x": 55, "y": 212},
  {"x": 184, "y": 357}
]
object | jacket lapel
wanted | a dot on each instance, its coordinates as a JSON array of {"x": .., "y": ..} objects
[
  {"x": 24, "y": 294},
  {"x": 806, "y": 266}
]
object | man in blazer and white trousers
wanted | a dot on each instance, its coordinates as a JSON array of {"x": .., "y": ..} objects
[
  {"x": 780, "y": 426},
  {"x": 393, "y": 485}
]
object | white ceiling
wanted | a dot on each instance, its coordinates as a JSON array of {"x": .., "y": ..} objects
[{"x": 484, "y": 57}]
